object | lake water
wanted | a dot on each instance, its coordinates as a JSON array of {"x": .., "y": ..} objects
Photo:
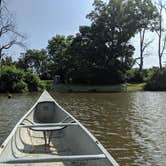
[{"x": 131, "y": 126}]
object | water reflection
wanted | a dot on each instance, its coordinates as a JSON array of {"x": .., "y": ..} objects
[{"x": 132, "y": 126}]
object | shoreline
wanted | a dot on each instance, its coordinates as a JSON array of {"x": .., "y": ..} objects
[
  {"x": 98, "y": 88},
  {"x": 80, "y": 88}
]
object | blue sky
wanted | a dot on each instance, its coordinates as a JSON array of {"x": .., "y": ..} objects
[{"x": 40, "y": 20}]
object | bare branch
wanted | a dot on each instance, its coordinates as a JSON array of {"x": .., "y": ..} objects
[
  {"x": 9, "y": 35},
  {"x": 147, "y": 44}
]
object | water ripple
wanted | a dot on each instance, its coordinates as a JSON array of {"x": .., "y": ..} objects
[{"x": 132, "y": 126}]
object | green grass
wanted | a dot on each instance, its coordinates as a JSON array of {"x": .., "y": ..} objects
[{"x": 135, "y": 87}]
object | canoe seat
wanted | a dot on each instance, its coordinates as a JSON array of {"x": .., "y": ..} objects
[{"x": 47, "y": 127}]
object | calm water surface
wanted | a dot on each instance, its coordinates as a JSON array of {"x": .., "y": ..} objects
[{"x": 131, "y": 126}]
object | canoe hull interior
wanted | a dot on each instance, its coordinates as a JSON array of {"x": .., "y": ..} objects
[{"x": 70, "y": 144}]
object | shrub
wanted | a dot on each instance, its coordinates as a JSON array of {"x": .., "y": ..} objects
[
  {"x": 10, "y": 78},
  {"x": 136, "y": 76},
  {"x": 16, "y": 80},
  {"x": 21, "y": 87},
  {"x": 33, "y": 81},
  {"x": 157, "y": 82}
]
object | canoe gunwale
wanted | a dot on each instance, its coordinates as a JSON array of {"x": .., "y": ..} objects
[{"x": 57, "y": 158}]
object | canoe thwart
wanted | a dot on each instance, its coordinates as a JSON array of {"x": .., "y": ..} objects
[{"x": 48, "y": 125}]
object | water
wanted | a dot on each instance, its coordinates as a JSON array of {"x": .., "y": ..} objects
[{"x": 131, "y": 126}]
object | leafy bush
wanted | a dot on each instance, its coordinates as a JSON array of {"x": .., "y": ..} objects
[
  {"x": 135, "y": 76},
  {"x": 150, "y": 73},
  {"x": 33, "y": 81},
  {"x": 157, "y": 82},
  {"x": 10, "y": 78},
  {"x": 21, "y": 87},
  {"x": 16, "y": 80}
]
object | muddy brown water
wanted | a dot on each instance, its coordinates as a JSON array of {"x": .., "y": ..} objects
[{"x": 131, "y": 126}]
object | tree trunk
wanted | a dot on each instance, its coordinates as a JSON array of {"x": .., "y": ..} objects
[
  {"x": 160, "y": 62},
  {"x": 159, "y": 51},
  {"x": 141, "y": 64},
  {"x": 0, "y": 62},
  {"x": 159, "y": 41},
  {"x": 142, "y": 35}
]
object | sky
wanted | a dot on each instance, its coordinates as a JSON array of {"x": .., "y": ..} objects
[{"x": 40, "y": 20}]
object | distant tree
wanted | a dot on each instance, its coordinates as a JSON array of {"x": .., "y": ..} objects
[
  {"x": 159, "y": 29},
  {"x": 34, "y": 60},
  {"x": 7, "y": 61},
  {"x": 103, "y": 50},
  {"x": 21, "y": 63},
  {"x": 148, "y": 15},
  {"x": 60, "y": 59}
]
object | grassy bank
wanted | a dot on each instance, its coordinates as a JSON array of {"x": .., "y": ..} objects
[
  {"x": 134, "y": 87},
  {"x": 97, "y": 88}
]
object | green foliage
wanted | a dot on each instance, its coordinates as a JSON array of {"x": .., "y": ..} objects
[
  {"x": 7, "y": 61},
  {"x": 97, "y": 77},
  {"x": 36, "y": 61},
  {"x": 11, "y": 79},
  {"x": 136, "y": 76},
  {"x": 157, "y": 82},
  {"x": 21, "y": 87},
  {"x": 101, "y": 52},
  {"x": 16, "y": 80},
  {"x": 147, "y": 13},
  {"x": 98, "y": 54},
  {"x": 59, "y": 56},
  {"x": 33, "y": 81}
]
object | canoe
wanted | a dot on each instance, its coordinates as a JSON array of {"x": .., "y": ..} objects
[{"x": 48, "y": 135}]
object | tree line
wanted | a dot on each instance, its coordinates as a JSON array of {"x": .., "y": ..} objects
[{"x": 101, "y": 53}]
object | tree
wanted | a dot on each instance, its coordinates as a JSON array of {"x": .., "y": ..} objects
[
  {"x": 7, "y": 61},
  {"x": 159, "y": 29},
  {"x": 60, "y": 59},
  {"x": 36, "y": 61},
  {"x": 148, "y": 14},
  {"x": 8, "y": 33},
  {"x": 103, "y": 50}
]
